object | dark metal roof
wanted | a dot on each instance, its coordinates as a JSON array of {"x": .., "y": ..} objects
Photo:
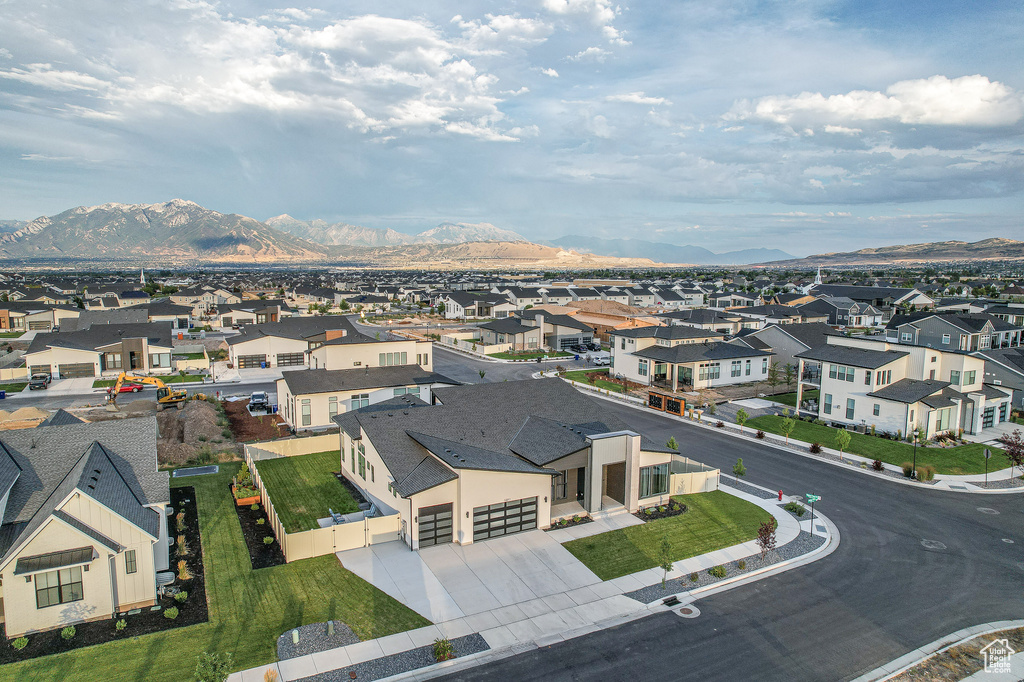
[{"x": 52, "y": 560}]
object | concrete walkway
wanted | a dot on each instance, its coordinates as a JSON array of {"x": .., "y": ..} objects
[{"x": 519, "y": 590}]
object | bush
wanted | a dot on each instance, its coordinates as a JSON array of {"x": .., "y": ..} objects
[
  {"x": 795, "y": 508},
  {"x": 180, "y": 521},
  {"x": 926, "y": 472},
  {"x": 443, "y": 649},
  {"x": 255, "y": 507},
  {"x": 268, "y": 539},
  {"x": 260, "y": 521},
  {"x": 908, "y": 469},
  {"x": 226, "y": 433},
  {"x": 877, "y": 465},
  {"x": 694, "y": 577},
  {"x": 741, "y": 564},
  {"x": 181, "y": 597},
  {"x": 213, "y": 667},
  {"x": 717, "y": 571},
  {"x": 719, "y": 425},
  {"x": 20, "y": 643},
  {"x": 815, "y": 448},
  {"x": 183, "y": 571},
  {"x": 712, "y": 408},
  {"x": 242, "y": 492},
  {"x": 171, "y": 613},
  {"x": 121, "y": 625},
  {"x": 68, "y": 633},
  {"x": 759, "y": 435}
]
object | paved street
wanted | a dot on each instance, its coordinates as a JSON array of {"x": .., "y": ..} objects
[{"x": 878, "y": 596}]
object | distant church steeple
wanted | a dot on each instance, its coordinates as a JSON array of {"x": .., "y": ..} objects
[
  {"x": 817, "y": 278},
  {"x": 142, "y": 276}
]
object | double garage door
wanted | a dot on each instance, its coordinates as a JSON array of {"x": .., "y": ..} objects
[
  {"x": 76, "y": 370},
  {"x": 251, "y": 361},
  {"x": 504, "y": 518}
]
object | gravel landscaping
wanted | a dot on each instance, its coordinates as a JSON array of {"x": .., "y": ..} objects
[
  {"x": 751, "y": 490},
  {"x": 1000, "y": 485},
  {"x": 314, "y": 638},
  {"x": 394, "y": 664},
  {"x": 803, "y": 544}
]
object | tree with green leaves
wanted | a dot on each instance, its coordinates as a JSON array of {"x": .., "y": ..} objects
[
  {"x": 787, "y": 428},
  {"x": 672, "y": 443},
  {"x": 482, "y": 373},
  {"x": 665, "y": 559},
  {"x": 843, "y": 439},
  {"x": 440, "y": 308},
  {"x": 738, "y": 469},
  {"x": 790, "y": 375},
  {"x": 742, "y": 417},
  {"x": 773, "y": 376},
  {"x": 213, "y": 667},
  {"x": 344, "y": 305}
]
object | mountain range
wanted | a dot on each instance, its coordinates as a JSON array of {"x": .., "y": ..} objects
[
  {"x": 667, "y": 253},
  {"x": 343, "y": 234},
  {"x": 909, "y": 254}
]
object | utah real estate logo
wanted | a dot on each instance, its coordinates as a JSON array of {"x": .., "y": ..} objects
[{"x": 997, "y": 655}]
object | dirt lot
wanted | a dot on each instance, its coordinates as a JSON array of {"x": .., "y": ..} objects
[
  {"x": 247, "y": 428},
  {"x": 197, "y": 433}
]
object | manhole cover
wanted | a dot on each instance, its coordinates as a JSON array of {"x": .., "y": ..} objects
[
  {"x": 688, "y": 612},
  {"x": 987, "y": 510},
  {"x": 932, "y": 544},
  {"x": 1008, "y": 541}
]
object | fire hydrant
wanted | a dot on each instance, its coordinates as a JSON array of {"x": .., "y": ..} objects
[{"x": 780, "y": 496}]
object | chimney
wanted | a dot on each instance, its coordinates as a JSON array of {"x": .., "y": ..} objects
[{"x": 334, "y": 334}]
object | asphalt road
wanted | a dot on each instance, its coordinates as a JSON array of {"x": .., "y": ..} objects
[{"x": 880, "y": 595}]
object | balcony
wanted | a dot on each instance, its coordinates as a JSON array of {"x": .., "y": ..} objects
[{"x": 811, "y": 376}]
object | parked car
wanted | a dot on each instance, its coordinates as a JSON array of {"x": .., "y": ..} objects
[
  {"x": 39, "y": 380},
  {"x": 602, "y": 361},
  {"x": 127, "y": 388},
  {"x": 259, "y": 401}
]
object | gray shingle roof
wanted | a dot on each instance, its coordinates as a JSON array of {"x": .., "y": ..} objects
[
  {"x": 543, "y": 441},
  {"x": 699, "y": 352},
  {"x": 909, "y": 391},
  {"x": 429, "y": 473},
  {"x": 944, "y": 398},
  {"x": 462, "y": 456},
  {"x": 855, "y": 357},
  {"x": 300, "y": 328},
  {"x": 98, "y": 335},
  {"x": 671, "y": 332},
  {"x": 305, "y": 381},
  {"x": 61, "y": 418},
  {"x": 506, "y": 325}
]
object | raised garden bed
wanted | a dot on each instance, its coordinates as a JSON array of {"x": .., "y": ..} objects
[
  {"x": 148, "y": 619},
  {"x": 261, "y": 555},
  {"x": 673, "y": 508},
  {"x": 244, "y": 501}
]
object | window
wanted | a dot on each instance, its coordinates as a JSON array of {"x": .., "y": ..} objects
[
  {"x": 711, "y": 370},
  {"x": 353, "y": 451},
  {"x": 883, "y": 378},
  {"x": 764, "y": 365},
  {"x": 653, "y": 480},
  {"x": 954, "y": 377},
  {"x": 737, "y": 368},
  {"x": 423, "y": 358},
  {"x": 907, "y": 337},
  {"x": 748, "y": 368},
  {"x": 840, "y": 372},
  {"x": 969, "y": 377},
  {"x": 849, "y": 408},
  {"x": 642, "y": 368},
  {"x": 867, "y": 378},
  {"x": 945, "y": 340},
  {"x": 362, "y": 461},
  {"x": 622, "y": 343},
  {"x": 307, "y": 418},
  {"x": 59, "y": 587},
  {"x": 876, "y": 410},
  {"x": 911, "y": 416},
  {"x": 827, "y": 405},
  {"x": 332, "y": 406},
  {"x": 112, "y": 360},
  {"x": 130, "y": 563},
  {"x": 371, "y": 474},
  {"x": 360, "y": 400},
  {"x": 159, "y": 359},
  {"x": 942, "y": 423},
  {"x": 560, "y": 485},
  {"x": 935, "y": 358},
  {"x": 389, "y": 359}
]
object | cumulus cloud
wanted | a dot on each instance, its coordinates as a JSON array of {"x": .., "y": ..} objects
[
  {"x": 600, "y": 13},
  {"x": 636, "y": 98},
  {"x": 496, "y": 32},
  {"x": 549, "y": 72},
  {"x": 940, "y": 101},
  {"x": 596, "y": 54}
]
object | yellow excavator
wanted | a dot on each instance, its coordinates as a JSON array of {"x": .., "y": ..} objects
[{"x": 165, "y": 396}]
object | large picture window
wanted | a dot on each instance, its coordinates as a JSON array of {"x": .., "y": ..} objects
[
  {"x": 653, "y": 480},
  {"x": 360, "y": 400},
  {"x": 59, "y": 587}
]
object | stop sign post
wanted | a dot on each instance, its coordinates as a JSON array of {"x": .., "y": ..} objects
[{"x": 811, "y": 499}]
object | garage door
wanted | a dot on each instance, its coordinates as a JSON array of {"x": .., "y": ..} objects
[
  {"x": 38, "y": 369},
  {"x": 435, "y": 525},
  {"x": 251, "y": 361},
  {"x": 78, "y": 369},
  {"x": 504, "y": 518},
  {"x": 291, "y": 359},
  {"x": 39, "y": 324}
]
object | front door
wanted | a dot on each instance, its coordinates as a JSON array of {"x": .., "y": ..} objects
[
  {"x": 581, "y": 483},
  {"x": 133, "y": 359}
]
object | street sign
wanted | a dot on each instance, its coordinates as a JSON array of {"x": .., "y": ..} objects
[
  {"x": 988, "y": 454},
  {"x": 811, "y": 499}
]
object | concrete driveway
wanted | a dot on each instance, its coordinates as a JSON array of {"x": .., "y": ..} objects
[{"x": 452, "y": 581}]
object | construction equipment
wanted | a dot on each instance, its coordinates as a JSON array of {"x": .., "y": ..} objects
[{"x": 165, "y": 396}]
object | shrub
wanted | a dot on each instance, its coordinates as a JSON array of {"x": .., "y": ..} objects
[
  {"x": 908, "y": 469},
  {"x": 926, "y": 472},
  {"x": 260, "y": 521},
  {"x": 719, "y": 424},
  {"x": 182, "y": 546},
  {"x": 68, "y": 633},
  {"x": 815, "y": 448},
  {"x": 181, "y": 597},
  {"x": 717, "y": 571},
  {"x": 270, "y": 675},
  {"x": 712, "y": 408},
  {"x": 226, "y": 433},
  {"x": 795, "y": 508},
  {"x": 268, "y": 539},
  {"x": 202, "y": 438},
  {"x": 121, "y": 625},
  {"x": 20, "y": 643},
  {"x": 171, "y": 613},
  {"x": 242, "y": 492},
  {"x": 694, "y": 577},
  {"x": 443, "y": 649},
  {"x": 213, "y": 667},
  {"x": 741, "y": 564},
  {"x": 877, "y": 465},
  {"x": 255, "y": 507},
  {"x": 183, "y": 571},
  {"x": 759, "y": 435}
]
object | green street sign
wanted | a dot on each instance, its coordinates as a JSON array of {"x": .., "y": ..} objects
[{"x": 812, "y": 498}]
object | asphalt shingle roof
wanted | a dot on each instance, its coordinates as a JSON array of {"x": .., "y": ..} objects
[
  {"x": 855, "y": 357},
  {"x": 909, "y": 391},
  {"x": 699, "y": 352},
  {"x": 305, "y": 381}
]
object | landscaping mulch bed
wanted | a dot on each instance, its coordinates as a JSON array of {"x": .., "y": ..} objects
[
  {"x": 673, "y": 508},
  {"x": 245, "y": 427},
  {"x": 352, "y": 490},
  {"x": 961, "y": 661},
  {"x": 149, "y": 619},
  {"x": 569, "y": 523},
  {"x": 261, "y": 555},
  {"x": 314, "y": 638},
  {"x": 803, "y": 544},
  {"x": 394, "y": 664}
]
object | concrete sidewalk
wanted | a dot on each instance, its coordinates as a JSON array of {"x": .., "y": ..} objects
[{"x": 517, "y": 591}]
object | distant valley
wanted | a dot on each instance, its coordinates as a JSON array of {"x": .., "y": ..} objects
[{"x": 670, "y": 253}]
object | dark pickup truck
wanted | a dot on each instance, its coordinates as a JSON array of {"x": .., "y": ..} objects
[{"x": 39, "y": 380}]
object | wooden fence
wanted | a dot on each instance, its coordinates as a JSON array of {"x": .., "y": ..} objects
[{"x": 318, "y": 541}]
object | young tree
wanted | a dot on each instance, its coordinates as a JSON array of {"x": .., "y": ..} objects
[
  {"x": 738, "y": 469},
  {"x": 672, "y": 443},
  {"x": 440, "y": 308},
  {"x": 212, "y": 667},
  {"x": 344, "y": 305},
  {"x": 742, "y": 417},
  {"x": 773, "y": 375},
  {"x": 843, "y": 439},
  {"x": 1013, "y": 448},
  {"x": 766, "y": 538},
  {"x": 665, "y": 559},
  {"x": 790, "y": 375},
  {"x": 787, "y": 428}
]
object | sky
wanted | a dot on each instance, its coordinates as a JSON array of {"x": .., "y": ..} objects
[{"x": 805, "y": 125}]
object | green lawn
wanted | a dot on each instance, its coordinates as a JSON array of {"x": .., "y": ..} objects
[
  {"x": 303, "y": 488},
  {"x": 530, "y": 355},
  {"x": 14, "y": 387},
  {"x": 169, "y": 379},
  {"x": 10, "y": 335},
  {"x": 790, "y": 398},
  {"x": 581, "y": 376},
  {"x": 712, "y": 521},
  {"x": 191, "y": 356},
  {"x": 960, "y": 460},
  {"x": 248, "y": 609}
]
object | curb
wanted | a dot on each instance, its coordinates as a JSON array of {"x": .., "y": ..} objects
[
  {"x": 922, "y": 654},
  {"x": 782, "y": 448}
]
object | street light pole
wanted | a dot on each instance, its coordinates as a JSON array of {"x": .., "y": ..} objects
[
  {"x": 988, "y": 454},
  {"x": 914, "y": 472}
]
